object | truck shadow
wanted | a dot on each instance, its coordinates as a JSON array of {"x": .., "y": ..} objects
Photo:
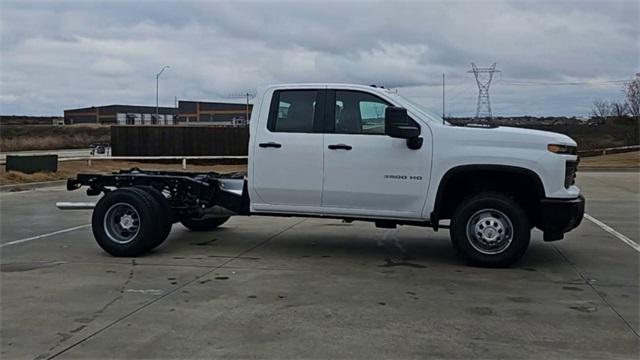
[{"x": 365, "y": 247}]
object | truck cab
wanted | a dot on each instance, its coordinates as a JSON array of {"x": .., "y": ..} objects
[
  {"x": 366, "y": 153},
  {"x": 325, "y": 151}
]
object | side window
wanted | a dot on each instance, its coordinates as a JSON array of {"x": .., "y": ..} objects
[
  {"x": 359, "y": 113},
  {"x": 293, "y": 111}
]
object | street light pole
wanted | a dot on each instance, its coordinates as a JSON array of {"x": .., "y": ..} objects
[{"x": 157, "y": 80}]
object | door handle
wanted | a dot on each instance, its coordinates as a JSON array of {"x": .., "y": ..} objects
[
  {"x": 270, "y": 145},
  {"x": 340, "y": 147}
]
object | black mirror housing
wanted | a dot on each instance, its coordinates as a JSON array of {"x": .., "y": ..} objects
[{"x": 398, "y": 125}]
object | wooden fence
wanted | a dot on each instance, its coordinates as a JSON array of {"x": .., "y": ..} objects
[{"x": 128, "y": 140}]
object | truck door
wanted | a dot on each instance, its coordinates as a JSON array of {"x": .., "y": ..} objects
[
  {"x": 366, "y": 172},
  {"x": 287, "y": 152}
]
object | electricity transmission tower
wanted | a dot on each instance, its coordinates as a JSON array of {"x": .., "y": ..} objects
[{"x": 483, "y": 78}]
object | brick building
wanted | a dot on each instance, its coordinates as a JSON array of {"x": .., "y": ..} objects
[{"x": 191, "y": 112}]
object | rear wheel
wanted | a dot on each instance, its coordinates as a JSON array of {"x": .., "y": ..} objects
[
  {"x": 204, "y": 224},
  {"x": 490, "y": 229},
  {"x": 165, "y": 215},
  {"x": 124, "y": 222}
]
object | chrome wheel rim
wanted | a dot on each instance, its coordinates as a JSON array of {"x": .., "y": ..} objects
[
  {"x": 489, "y": 231},
  {"x": 121, "y": 223}
]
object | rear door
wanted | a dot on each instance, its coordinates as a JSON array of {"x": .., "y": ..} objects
[
  {"x": 287, "y": 152},
  {"x": 368, "y": 173}
]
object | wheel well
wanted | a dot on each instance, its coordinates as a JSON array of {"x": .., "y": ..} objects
[{"x": 460, "y": 183}]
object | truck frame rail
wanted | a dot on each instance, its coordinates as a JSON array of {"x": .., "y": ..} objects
[{"x": 188, "y": 193}]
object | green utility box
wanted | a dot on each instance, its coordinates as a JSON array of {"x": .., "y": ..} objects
[{"x": 30, "y": 164}]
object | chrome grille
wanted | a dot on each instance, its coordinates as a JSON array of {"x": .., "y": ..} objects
[{"x": 570, "y": 173}]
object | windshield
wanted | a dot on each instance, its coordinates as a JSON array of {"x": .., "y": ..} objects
[{"x": 430, "y": 115}]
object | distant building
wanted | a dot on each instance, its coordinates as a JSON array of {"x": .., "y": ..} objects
[
  {"x": 217, "y": 113},
  {"x": 120, "y": 115},
  {"x": 188, "y": 112}
]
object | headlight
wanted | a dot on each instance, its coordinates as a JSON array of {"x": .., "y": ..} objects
[{"x": 562, "y": 149}]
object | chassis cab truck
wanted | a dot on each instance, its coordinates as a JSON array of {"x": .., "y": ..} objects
[{"x": 358, "y": 153}]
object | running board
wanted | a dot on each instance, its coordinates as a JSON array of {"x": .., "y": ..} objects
[{"x": 75, "y": 205}]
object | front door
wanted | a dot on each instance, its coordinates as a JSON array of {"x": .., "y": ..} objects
[
  {"x": 366, "y": 172},
  {"x": 287, "y": 153}
]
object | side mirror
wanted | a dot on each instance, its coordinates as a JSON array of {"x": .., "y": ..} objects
[{"x": 398, "y": 125}]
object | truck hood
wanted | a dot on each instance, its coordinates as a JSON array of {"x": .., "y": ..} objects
[
  {"x": 544, "y": 136},
  {"x": 506, "y": 137}
]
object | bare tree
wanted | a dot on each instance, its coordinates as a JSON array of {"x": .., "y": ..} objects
[
  {"x": 601, "y": 109},
  {"x": 619, "y": 109},
  {"x": 632, "y": 94}
]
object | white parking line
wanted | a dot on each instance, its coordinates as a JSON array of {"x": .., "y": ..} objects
[
  {"x": 613, "y": 232},
  {"x": 15, "y": 242}
]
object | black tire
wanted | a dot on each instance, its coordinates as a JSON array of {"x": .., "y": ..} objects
[
  {"x": 141, "y": 206},
  {"x": 490, "y": 230},
  {"x": 203, "y": 224},
  {"x": 165, "y": 215}
]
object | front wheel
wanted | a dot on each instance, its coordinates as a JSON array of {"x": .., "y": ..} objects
[
  {"x": 491, "y": 230},
  {"x": 203, "y": 224}
]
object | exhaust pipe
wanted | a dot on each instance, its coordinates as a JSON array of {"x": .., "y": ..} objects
[{"x": 75, "y": 205}]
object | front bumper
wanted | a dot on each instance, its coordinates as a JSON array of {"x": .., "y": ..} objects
[{"x": 559, "y": 216}]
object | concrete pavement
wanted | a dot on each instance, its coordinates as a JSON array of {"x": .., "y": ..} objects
[{"x": 263, "y": 287}]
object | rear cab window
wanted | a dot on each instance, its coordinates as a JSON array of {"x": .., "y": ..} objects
[{"x": 295, "y": 111}]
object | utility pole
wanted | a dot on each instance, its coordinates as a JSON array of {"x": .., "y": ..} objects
[
  {"x": 157, "y": 78},
  {"x": 483, "y": 79},
  {"x": 175, "y": 111},
  {"x": 246, "y": 119},
  {"x": 443, "y": 98},
  {"x": 245, "y": 94}
]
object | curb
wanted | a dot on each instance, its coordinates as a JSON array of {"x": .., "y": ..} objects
[
  {"x": 609, "y": 169},
  {"x": 31, "y": 186}
]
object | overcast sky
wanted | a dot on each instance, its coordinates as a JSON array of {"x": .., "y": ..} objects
[{"x": 65, "y": 54}]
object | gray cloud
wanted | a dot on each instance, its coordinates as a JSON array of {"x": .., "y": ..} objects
[{"x": 57, "y": 55}]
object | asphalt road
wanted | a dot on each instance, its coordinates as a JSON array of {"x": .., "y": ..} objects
[{"x": 265, "y": 287}]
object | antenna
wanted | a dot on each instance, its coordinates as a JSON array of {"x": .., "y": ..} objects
[{"x": 483, "y": 79}]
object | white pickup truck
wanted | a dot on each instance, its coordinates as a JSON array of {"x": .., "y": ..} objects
[{"x": 362, "y": 153}]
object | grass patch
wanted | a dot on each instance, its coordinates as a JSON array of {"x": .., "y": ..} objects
[
  {"x": 622, "y": 160},
  {"x": 49, "y": 137}
]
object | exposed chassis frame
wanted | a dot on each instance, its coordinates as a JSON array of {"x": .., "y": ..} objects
[
  {"x": 193, "y": 194},
  {"x": 188, "y": 193}
]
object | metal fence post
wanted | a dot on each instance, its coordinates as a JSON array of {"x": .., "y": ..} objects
[{"x": 184, "y": 163}]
